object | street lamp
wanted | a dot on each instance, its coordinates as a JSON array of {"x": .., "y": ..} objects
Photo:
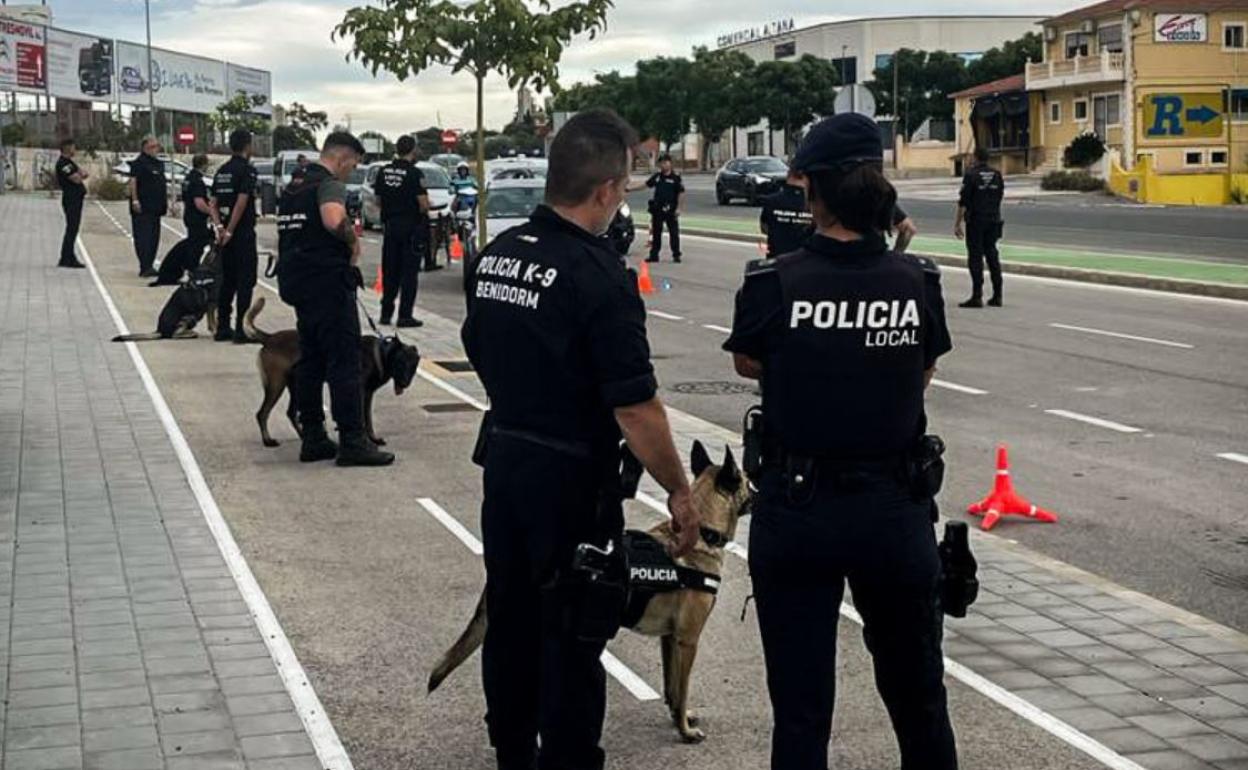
[{"x": 151, "y": 91}]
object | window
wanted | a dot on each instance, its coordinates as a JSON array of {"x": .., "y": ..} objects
[
  {"x": 1217, "y": 157},
  {"x": 754, "y": 143},
  {"x": 1081, "y": 109},
  {"x": 1055, "y": 112},
  {"x": 847, "y": 68},
  {"x": 785, "y": 50},
  {"x": 1109, "y": 38},
  {"x": 1233, "y": 34},
  {"x": 883, "y": 61},
  {"x": 1077, "y": 44},
  {"x": 1193, "y": 158},
  {"x": 1109, "y": 107},
  {"x": 1235, "y": 102}
]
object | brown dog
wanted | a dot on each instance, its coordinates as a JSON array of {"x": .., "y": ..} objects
[
  {"x": 381, "y": 360},
  {"x": 677, "y": 617}
]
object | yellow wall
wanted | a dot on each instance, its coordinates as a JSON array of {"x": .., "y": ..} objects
[
  {"x": 925, "y": 156},
  {"x": 1145, "y": 185}
]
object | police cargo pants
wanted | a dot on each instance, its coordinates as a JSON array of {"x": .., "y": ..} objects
[
  {"x": 238, "y": 277},
  {"x": 329, "y": 353},
  {"x": 981, "y": 244},
  {"x": 146, "y": 229},
  {"x": 657, "y": 220},
  {"x": 400, "y": 263},
  {"x": 73, "y": 221},
  {"x": 539, "y": 678},
  {"x": 882, "y": 542}
]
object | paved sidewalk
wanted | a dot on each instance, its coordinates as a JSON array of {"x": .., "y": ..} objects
[
  {"x": 1161, "y": 688},
  {"x": 125, "y": 642}
]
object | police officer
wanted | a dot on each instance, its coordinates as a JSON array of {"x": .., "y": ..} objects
[
  {"x": 404, "y": 212},
  {"x": 318, "y": 273},
  {"x": 234, "y": 213},
  {"x": 72, "y": 181},
  {"x": 786, "y": 220},
  {"x": 844, "y": 334},
  {"x": 148, "y": 203},
  {"x": 197, "y": 217},
  {"x": 666, "y": 206},
  {"x": 556, "y": 330},
  {"x": 979, "y": 206}
]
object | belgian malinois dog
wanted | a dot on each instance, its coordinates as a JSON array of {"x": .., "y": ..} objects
[{"x": 677, "y": 617}]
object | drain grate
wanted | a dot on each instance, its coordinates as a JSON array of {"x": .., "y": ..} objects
[
  {"x": 458, "y": 365},
  {"x": 449, "y": 408},
  {"x": 713, "y": 388}
]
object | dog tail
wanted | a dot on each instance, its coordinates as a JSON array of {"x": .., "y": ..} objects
[
  {"x": 143, "y": 337},
  {"x": 464, "y": 646},
  {"x": 249, "y": 322}
]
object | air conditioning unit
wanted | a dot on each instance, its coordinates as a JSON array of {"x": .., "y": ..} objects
[
  {"x": 1050, "y": 34},
  {"x": 1088, "y": 27}
]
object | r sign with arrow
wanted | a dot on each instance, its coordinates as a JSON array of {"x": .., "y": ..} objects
[{"x": 1184, "y": 115}]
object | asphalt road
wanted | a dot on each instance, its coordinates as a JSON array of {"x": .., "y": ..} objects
[{"x": 1089, "y": 222}]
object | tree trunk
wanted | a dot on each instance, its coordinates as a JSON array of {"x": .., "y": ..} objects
[{"x": 481, "y": 234}]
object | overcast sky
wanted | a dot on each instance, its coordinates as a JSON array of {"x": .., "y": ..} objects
[{"x": 292, "y": 39}]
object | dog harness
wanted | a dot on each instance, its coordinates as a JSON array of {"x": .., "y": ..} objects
[{"x": 652, "y": 571}]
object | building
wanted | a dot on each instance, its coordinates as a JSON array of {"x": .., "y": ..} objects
[
  {"x": 858, "y": 47},
  {"x": 1003, "y": 117}
]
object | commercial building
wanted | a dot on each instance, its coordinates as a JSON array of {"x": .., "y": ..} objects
[{"x": 860, "y": 46}]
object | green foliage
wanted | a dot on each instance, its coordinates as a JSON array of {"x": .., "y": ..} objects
[
  {"x": 1083, "y": 151},
  {"x": 111, "y": 189},
  {"x": 13, "y": 135},
  {"x": 299, "y": 133},
  {"x": 1006, "y": 61},
  {"x": 663, "y": 94},
  {"x": 1078, "y": 181},
  {"x": 790, "y": 95},
  {"x": 722, "y": 93},
  {"x": 924, "y": 82},
  {"x": 239, "y": 112},
  {"x": 1239, "y": 196}
]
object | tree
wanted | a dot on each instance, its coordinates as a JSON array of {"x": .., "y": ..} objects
[
  {"x": 924, "y": 82},
  {"x": 791, "y": 95},
  {"x": 1008, "y": 60},
  {"x": 721, "y": 95},
  {"x": 299, "y": 133},
  {"x": 663, "y": 98},
  {"x": 239, "y": 112},
  {"x": 407, "y": 37},
  {"x": 428, "y": 141}
]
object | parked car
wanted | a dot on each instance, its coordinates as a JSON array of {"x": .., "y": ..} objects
[
  {"x": 510, "y": 202},
  {"x": 267, "y": 192},
  {"x": 285, "y": 163},
  {"x": 436, "y": 181},
  {"x": 447, "y": 160},
  {"x": 175, "y": 170},
  {"x": 750, "y": 178}
]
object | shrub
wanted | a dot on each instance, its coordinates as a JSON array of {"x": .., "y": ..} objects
[
  {"x": 1078, "y": 181},
  {"x": 111, "y": 189},
  {"x": 1239, "y": 196},
  {"x": 1084, "y": 150}
]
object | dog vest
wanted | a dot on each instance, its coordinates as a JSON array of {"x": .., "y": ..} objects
[
  {"x": 652, "y": 571},
  {"x": 188, "y": 303}
]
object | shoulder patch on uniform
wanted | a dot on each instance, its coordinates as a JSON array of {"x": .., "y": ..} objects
[
  {"x": 527, "y": 238},
  {"x": 760, "y": 266},
  {"x": 927, "y": 263}
]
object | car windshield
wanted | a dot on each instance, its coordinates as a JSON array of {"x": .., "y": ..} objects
[
  {"x": 435, "y": 178},
  {"x": 766, "y": 166},
  {"x": 264, "y": 169},
  {"x": 513, "y": 202}
]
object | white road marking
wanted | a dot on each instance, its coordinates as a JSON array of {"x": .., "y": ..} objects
[
  {"x": 959, "y": 388},
  {"x": 329, "y": 750},
  {"x": 622, "y": 673},
  {"x": 1234, "y": 457},
  {"x": 1120, "y": 335},
  {"x": 665, "y": 316},
  {"x": 454, "y": 391},
  {"x": 714, "y": 328},
  {"x": 1097, "y": 421}
]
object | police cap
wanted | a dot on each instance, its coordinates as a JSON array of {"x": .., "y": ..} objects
[{"x": 841, "y": 141}]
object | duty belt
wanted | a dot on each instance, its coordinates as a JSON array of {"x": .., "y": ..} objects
[{"x": 578, "y": 449}]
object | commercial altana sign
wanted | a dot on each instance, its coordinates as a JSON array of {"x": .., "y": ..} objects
[
  {"x": 1180, "y": 28},
  {"x": 762, "y": 32}
]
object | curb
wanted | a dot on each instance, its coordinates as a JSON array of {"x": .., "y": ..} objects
[{"x": 1129, "y": 280}]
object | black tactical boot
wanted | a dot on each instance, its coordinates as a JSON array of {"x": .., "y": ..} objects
[
  {"x": 317, "y": 445},
  {"x": 995, "y": 301},
  {"x": 358, "y": 450},
  {"x": 972, "y": 302}
]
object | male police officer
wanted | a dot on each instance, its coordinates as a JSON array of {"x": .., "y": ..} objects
[
  {"x": 666, "y": 206},
  {"x": 556, "y": 330},
  {"x": 844, "y": 334},
  {"x": 786, "y": 220},
  {"x": 234, "y": 201},
  {"x": 148, "y": 203},
  {"x": 196, "y": 216},
  {"x": 979, "y": 206},
  {"x": 318, "y": 273},
  {"x": 71, "y": 180},
  {"x": 404, "y": 207}
]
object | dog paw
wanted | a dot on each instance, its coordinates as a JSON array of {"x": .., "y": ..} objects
[
  {"x": 692, "y": 735},
  {"x": 272, "y": 442}
]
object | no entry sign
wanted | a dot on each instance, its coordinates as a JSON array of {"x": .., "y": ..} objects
[{"x": 185, "y": 136}]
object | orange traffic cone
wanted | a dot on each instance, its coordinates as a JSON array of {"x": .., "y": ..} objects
[
  {"x": 379, "y": 287},
  {"x": 644, "y": 284},
  {"x": 1004, "y": 501},
  {"x": 457, "y": 248}
]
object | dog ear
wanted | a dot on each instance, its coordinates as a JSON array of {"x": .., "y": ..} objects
[
  {"x": 729, "y": 477},
  {"x": 699, "y": 460}
]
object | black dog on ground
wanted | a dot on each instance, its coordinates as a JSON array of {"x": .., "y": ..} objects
[
  {"x": 189, "y": 303},
  {"x": 182, "y": 258}
]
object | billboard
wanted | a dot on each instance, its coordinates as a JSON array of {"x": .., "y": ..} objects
[
  {"x": 1180, "y": 28},
  {"x": 179, "y": 82},
  {"x": 23, "y": 58},
  {"x": 252, "y": 82},
  {"x": 80, "y": 66}
]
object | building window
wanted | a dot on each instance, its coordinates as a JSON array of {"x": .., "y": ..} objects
[
  {"x": 754, "y": 143},
  {"x": 785, "y": 50},
  {"x": 1109, "y": 38},
  {"x": 1077, "y": 44},
  {"x": 1194, "y": 158},
  {"x": 1217, "y": 157},
  {"x": 1081, "y": 110},
  {"x": 1112, "y": 106},
  {"x": 1055, "y": 112},
  {"x": 847, "y": 69},
  {"x": 883, "y": 61},
  {"x": 1233, "y": 36},
  {"x": 1235, "y": 102}
]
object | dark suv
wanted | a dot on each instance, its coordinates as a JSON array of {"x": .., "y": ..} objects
[{"x": 749, "y": 178}]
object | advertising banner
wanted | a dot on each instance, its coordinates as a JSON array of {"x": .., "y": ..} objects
[
  {"x": 1180, "y": 28},
  {"x": 252, "y": 82},
  {"x": 23, "y": 58},
  {"x": 80, "y": 66},
  {"x": 179, "y": 82}
]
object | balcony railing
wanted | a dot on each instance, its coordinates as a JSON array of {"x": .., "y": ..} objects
[{"x": 1105, "y": 66}]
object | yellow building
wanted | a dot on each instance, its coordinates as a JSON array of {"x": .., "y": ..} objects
[
  {"x": 1002, "y": 117},
  {"x": 1163, "y": 82}
]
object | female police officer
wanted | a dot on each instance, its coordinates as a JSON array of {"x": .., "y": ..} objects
[{"x": 845, "y": 335}]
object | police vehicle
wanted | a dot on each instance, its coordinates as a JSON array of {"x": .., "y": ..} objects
[
  {"x": 750, "y": 178},
  {"x": 510, "y": 200}
]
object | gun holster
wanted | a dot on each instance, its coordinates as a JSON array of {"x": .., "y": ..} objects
[
  {"x": 959, "y": 586},
  {"x": 925, "y": 468},
  {"x": 598, "y": 589}
]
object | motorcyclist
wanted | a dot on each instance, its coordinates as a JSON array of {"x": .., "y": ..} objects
[{"x": 462, "y": 178}]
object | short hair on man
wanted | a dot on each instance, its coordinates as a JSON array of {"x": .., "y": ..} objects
[
  {"x": 240, "y": 139},
  {"x": 342, "y": 140},
  {"x": 981, "y": 154},
  {"x": 67, "y": 143},
  {"x": 590, "y": 149},
  {"x": 405, "y": 145},
  {"x": 665, "y": 158},
  {"x": 199, "y": 162}
]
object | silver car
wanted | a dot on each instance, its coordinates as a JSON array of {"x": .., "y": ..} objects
[
  {"x": 437, "y": 184},
  {"x": 510, "y": 202}
]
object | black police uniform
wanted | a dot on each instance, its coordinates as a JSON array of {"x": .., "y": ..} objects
[
  {"x": 399, "y": 186},
  {"x": 786, "y": 220},
  {"x": 238, "y": 257},
  {"x": 981, "y": 193},
  {"x": 186, "y": 253},
  {"x": 72, "y": 195},
  {"x": 556, "y": 331},
  {"x": 315, "y": 275},
  {"x": 667, "y": 191},
  {"x": 151, "y": 190}
]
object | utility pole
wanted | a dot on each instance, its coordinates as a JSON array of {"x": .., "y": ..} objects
[
  {"x": 896, "y": 111},
  {"x": 151, "y": 86}
]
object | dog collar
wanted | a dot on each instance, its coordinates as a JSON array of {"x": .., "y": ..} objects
[{"x": 712, "y": 538}]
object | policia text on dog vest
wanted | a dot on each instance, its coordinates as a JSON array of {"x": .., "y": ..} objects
[{"x": 309, "y": 256}]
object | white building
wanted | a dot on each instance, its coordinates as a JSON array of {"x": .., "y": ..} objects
[{"x": 860, "y": 46}]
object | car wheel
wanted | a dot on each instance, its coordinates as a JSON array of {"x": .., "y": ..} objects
[{"x": 721, "y": 197}]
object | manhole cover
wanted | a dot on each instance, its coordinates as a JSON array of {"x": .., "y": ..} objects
[
  {"x": 713, "y": 388},
  {"x": 462, "y": 365},
  {"x": 455, "y": 406}
]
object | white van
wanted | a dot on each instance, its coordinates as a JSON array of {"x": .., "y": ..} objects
[{"x": 286, "y": 162}]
